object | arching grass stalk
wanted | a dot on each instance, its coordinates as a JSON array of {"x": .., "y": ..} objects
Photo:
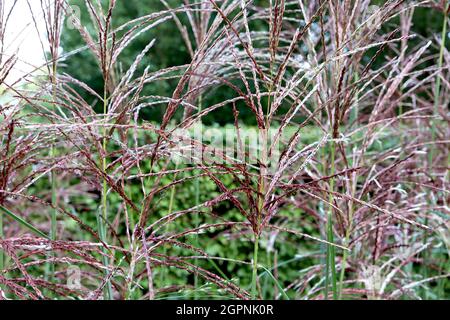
[
  {"x": 20, "y": 221},
  {"x": 277, "y": 283}
]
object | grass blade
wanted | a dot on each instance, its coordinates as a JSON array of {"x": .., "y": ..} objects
[{"x": 23, "y": 223}]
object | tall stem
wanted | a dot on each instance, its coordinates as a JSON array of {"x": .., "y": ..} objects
[
  {"x": 331, "y": 253},
  {"x": 347, "y": 239},
  {"x": 50, "y": 268},
  {"x": 52, "y": 155},
  {"x": 197, "y": 202},
  {"x": 263, "y": 134},
  {"x": 101, "y": 227},
  {"x": 437, "y": 93},
  {"x": 354, "y": 118},
  {"x": 255, "y": 267},
  {"x": 437, "y": 88}
]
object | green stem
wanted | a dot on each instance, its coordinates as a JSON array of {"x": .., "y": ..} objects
[
  {"x": 50, "y": 267},
  {"x": 355, "y": 112},
  {"x": 197, "y": 202},
  {"x": 437, "y": 89},
  {"x": 351, "y": 208},
  {"x": 345, "y": 255},
  {"x": 265, "y": 288},
  {"x": 101, "y": 227},
  {"x": 168, "y": 228},
  {"x": 437, "y": 93},
  {"x": 347, "y": 236},
  {"x": 255, "y": 267},
  {"x": 331, "y": 253},
  {"x": 52, "y": 155},
  {"x": 261, "y": 191}
]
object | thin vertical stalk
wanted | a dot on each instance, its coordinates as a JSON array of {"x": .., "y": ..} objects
[
  {"x": 354, "y": 118},
  {"x": 197, "y": 202},
  {"x": 269, "y": 267},
  {"x": 168, "y": 228},
  {"x": 445, "y": 265},
  {"x": 196, "y": 223},
  {"x": 261, "y": 193},
  {"x": 101, "y": 227},
  {"x": 50, "y": 268},
  {"x": 261, "y": 185},
  {"x": 255, "y": 267},
  {"x": 331, "y": 251},
  {"x": 347, "y": 239},
  {"x": 355, "y": 112},
  {"x": 171, "y": 202},
  {"x": 437, "y": 93},
  {"x": 52, "y": 155},
  {"x": 437, "y": 89}
]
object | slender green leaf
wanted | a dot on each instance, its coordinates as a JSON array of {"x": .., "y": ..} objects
[
  {"x": 23, "y": 222},
  {"x": 276, "y": 282}
]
